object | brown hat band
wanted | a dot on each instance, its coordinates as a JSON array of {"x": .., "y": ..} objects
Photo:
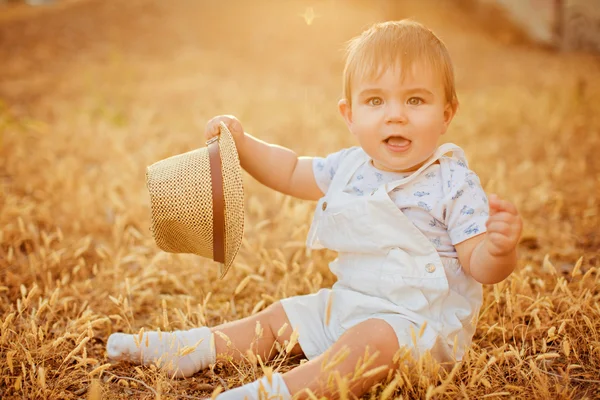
[{"x": 218, "y": 198}]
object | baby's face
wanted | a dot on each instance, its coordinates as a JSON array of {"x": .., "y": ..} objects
[{"x": 398, "y": 118}]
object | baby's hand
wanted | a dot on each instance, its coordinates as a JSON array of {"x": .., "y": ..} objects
[
  {"x": 234, "y": 125},
  {"x": 503, "y": 226}
]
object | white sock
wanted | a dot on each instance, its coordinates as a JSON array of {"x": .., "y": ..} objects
[
  {"x": 165, "y": 348},
  {"x": 275, "y": 390}
]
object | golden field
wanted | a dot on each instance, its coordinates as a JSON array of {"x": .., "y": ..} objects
[{"x": 92, "y": 92}]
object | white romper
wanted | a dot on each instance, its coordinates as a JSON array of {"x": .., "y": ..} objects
[{"x": 387, "y": 269}]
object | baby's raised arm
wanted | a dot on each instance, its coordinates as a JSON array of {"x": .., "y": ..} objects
[
  {"x": 491, "y": 257},
  {"x": 274, "y": 166}
]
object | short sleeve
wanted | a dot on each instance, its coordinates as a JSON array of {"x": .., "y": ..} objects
[
  {"x": 325, "y": 168},
  {"x": 467, "y": 208}
]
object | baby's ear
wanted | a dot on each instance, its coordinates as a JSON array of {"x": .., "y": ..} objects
[
  {"x": 449, "y": 112},
  {"x": 345, "y": 111}
]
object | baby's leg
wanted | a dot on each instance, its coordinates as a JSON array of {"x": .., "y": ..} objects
[
  {"x": 183, "y": 353},
  {"x": 242, "y": 334},
  {"x": 377, "y": 334}
]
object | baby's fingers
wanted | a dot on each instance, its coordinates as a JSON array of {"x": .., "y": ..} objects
[
  {"x": 499, "y": 244},
  {"x": 501, "y": 227},
  {"x": 212, "y": 129},
  {"x": 498, "y": 205}
]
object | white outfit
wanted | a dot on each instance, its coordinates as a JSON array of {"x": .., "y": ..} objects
[
  {"x": 386, "y": 269},
  {"x": 446, "y": 201}
]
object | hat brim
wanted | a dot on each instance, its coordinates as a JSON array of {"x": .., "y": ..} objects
[
  {"x": 181, "y": 201},
  {"x": 233, "y": 192}
]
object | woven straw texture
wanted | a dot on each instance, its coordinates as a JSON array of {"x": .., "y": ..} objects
[{"x": 181, "y": 201}]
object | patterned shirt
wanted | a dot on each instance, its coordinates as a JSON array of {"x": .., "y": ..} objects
[{"x": 446, "y": 202}]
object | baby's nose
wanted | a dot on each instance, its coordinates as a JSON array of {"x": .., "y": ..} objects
[{"x": 395, "y": 114}]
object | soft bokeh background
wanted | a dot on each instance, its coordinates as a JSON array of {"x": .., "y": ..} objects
[{"x": 91, "y": 92}]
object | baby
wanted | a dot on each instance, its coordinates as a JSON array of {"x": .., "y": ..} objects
[{"x": 415, "y": 235}]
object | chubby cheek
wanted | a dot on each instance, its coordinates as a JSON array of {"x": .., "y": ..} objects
[
  {"x": 365, "y": 121},
  {"x": 430, "y": 120},
  {"x": 365, "y": 132},
  {"x": 370, "y": 143}
]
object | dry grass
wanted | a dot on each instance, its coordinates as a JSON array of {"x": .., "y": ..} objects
[{"x": 94, "y": 92}]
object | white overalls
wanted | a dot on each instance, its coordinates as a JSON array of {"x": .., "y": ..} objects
[{"x": 386, "y": 269}]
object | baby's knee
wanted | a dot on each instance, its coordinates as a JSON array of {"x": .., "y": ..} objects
[
  {"x": 277, "y": 320},
  {"x": 382, "y": 336},
  {"x": 280, "y": 326}
]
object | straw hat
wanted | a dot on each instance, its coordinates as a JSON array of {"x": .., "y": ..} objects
[{"x": 197, "y": 201}]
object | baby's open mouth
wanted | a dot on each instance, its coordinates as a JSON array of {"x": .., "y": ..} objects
[{"x": 397, "y": 141}]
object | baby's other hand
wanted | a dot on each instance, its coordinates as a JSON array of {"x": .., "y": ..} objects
[
  {"x": 504, "y": 226},
  {"x": 232, "y": 123}
]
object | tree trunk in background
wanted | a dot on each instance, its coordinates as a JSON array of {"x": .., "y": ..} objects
[{"x": 563, "y": 24}]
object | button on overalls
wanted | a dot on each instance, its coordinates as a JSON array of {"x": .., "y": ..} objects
[{"x": 388, "y": 269}]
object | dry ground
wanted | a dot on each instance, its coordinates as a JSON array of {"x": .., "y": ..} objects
[{"x": 94, "y": 91}]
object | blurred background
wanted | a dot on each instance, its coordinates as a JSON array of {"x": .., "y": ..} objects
[
  {"x": 93, "y": 91},
  {"x": 96, "y": 90}
]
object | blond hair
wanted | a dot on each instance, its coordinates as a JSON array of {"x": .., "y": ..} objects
[{"x": 397, "y": 44}]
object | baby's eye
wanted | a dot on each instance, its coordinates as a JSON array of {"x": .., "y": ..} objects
[
  {"x": 375, "y": 101},
  {"x": 415, "y": 101}
]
